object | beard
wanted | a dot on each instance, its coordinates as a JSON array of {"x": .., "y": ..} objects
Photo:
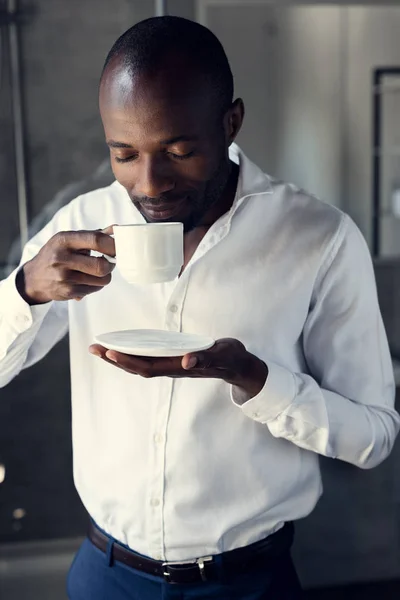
[{"x": 197, "y": 202}]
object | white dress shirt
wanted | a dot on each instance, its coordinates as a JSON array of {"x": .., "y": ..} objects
[{"x": 184, "y": 468}]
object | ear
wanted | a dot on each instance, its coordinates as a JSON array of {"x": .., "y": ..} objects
[{"x": 233, "y": 120}]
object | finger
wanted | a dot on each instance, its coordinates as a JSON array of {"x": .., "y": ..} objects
[
  {"x": 212, "y": 358},
  {"x": 91, "y": 265},
  {"x": 197, "y": 361},
  {"x": 87, "y": 240},
  {"x": 118, "y": 359},
  {"x": 109, "y": 230},
  {"x": 123, "y": 360},
  {"x": 148, "y": 364},
  {"x": 100, "y": 352},
  {"x": 97, "y": 350},
  {"x": 75, "y": 292},
  {"x": 80, "y": 278}
]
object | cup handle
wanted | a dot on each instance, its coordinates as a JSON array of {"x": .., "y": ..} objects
[{"x": 110, "y": 259}]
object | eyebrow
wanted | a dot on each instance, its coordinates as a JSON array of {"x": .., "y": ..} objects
[
  {"x": 114, "y": 144},
  {"x": 168, "y": 142}
]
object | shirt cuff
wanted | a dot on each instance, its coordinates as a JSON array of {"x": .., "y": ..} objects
[
  {"x": 275, "y": 397},
  {"x": 18, "y": 313}
]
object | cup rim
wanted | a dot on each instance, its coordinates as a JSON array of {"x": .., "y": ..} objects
[{"x": 149, "y": 224}]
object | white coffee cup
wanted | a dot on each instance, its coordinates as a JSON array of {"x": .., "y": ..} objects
[{"x": 148, "y": 252}]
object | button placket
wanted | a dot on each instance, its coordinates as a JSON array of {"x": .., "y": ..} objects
[
  {"x": 173, "y": 313},
  {"x": 155, "y": 502}
]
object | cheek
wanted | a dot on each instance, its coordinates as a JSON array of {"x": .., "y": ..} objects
[
  {"x": 195, "y": 172},
  {"x": 124, "y": 175}
]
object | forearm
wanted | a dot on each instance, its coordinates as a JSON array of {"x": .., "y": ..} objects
[
  {"x": 293, "y": 406},
  {"x": 26, "y": 333}
]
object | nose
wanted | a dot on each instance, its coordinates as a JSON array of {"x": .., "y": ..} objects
[{"x": 152, "y": 178}]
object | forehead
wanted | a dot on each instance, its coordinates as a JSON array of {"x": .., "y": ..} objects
[{"x": 159, "y": 106}]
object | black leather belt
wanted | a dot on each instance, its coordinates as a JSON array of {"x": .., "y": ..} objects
[{"x": 206, "y": 568}]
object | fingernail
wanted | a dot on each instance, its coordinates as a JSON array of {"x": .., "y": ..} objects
[
  {"x": 192, "y": 362},
  {"x": 111, "y": 357},
  {"x": 95, "y": 353}
]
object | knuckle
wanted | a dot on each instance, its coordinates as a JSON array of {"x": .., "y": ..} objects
[
  {"x": 66, "y": 290},
  {"x": 56, "y": 261},
  {"x": 59, "y": 278},
  {"x": 94, "y": 238},
  {"x": 98, "y": 267},
  {"x": 103, "y": 268},
  {"x": 61, "y": 239}
]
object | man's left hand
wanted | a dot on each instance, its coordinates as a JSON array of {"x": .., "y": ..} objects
[{"x": 228, "y": 359}]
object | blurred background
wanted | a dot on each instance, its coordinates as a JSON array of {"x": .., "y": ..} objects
[{"x": 321, "y": 85}]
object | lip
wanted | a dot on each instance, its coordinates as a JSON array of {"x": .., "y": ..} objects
[{"x": 164, "y": 211}]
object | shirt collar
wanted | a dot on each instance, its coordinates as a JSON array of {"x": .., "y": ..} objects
[{"x": 252, "y": 180}]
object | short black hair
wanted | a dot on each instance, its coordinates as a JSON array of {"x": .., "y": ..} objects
[{"x": 144, "y": 47}]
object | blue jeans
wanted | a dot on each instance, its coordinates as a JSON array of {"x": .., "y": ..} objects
[{"x": 92, "y": 576}]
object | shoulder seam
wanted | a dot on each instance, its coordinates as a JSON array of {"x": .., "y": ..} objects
[{"x": 332, "y": 248}]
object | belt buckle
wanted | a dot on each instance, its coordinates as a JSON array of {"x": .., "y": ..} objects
[{"x": 199, "y": 562}]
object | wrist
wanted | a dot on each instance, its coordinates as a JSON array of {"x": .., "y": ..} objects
[
  {"x": 254, "y": 375},
  {"x": 22, "y": 282}
]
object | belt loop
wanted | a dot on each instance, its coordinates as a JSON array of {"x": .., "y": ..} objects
[{"x": 109, "y": 553}]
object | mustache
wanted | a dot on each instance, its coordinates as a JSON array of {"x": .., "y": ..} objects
[{"x": 159, "y": 201}]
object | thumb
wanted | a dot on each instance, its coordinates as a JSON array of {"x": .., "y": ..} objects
[
  {"x": 200, "y": 360},
  {"x": 108, "y": 230}
]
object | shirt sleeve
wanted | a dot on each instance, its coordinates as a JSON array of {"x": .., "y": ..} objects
[
  {"x": 343, "y": 407},
  {"x": 27, "y": 333}
]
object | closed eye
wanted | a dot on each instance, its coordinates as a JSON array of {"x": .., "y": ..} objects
[
  {"x": 125, "y": 160},
  {"x": 135, "y": 156},
  {"x": 181, "y": 156}
]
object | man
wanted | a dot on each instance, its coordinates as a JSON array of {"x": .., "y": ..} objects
[{"x": 193, "y": 469}]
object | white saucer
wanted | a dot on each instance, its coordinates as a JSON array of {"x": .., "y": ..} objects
[{"x": 153, "y": 342}]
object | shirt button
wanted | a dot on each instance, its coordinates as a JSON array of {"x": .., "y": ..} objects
[
  {"x": 256, "y": 415},
  {"x": 173, "y": 308},
  {"x": 155, "y": 502},
  {"x": 22, "y": 319},
  {"x": 158, "y": 438},
  {"x": 158, "y": 557}
]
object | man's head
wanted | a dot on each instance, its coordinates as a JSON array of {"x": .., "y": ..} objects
[{"x": 166, "y": 103}]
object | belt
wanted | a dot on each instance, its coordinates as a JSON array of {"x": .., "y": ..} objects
[{"x": 206, "y": 568}]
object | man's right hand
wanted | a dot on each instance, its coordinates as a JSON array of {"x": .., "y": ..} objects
[{"x": 64, "y": 270}]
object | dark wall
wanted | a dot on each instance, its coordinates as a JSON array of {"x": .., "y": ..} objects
[
  {"x": 63, "y": 47},
  {"x": 35, "y": 447}
]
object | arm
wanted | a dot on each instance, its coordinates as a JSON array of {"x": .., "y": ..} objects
[
  {"x": 55, "y": 267},
  {"x": 27, "y": 333},
  {"x": 344, "y": 407}
]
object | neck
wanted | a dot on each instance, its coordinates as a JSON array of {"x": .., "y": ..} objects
[
  {"x": 225, "y": 202},
  {"x": 194, "y": 237}
]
